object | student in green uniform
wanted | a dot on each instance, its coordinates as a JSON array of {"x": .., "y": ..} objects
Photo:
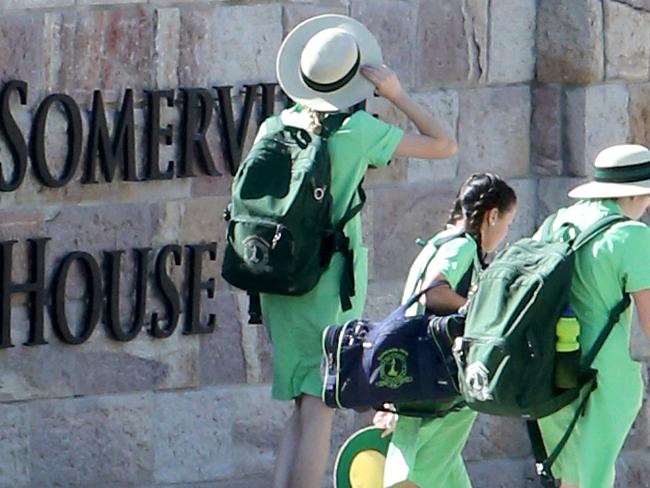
[
  {"x": 328, "y": 64},
  {"x": 612, "y": 264},
  {"x": 426, "y": 452}
]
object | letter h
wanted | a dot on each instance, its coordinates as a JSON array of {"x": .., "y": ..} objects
[{"x": 34, "y": 287}]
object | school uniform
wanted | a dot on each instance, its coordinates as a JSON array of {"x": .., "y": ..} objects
[
  {"x": 295, "y": 323},
  {"x": 428, "y": 451},
  {"x": 613, "y": 263}
]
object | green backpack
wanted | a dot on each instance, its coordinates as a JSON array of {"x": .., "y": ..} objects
[
  {"x": 506, "y": 357},
  {"x": 280, "y": 236}
]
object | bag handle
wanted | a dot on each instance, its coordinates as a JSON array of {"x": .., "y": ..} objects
[{"x": 400, "y": 311}]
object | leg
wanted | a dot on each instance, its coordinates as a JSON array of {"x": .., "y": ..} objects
[
  {"x": 427, "y": 452},
  {"x": 439, "y": 461},
  {"x": 286, "y": 450},
  {"x": 310, "y": 457}
]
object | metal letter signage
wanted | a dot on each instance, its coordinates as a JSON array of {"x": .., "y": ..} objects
[
  {"x": 110, "y": 157},
  {"x": 198, "y": 112},
  {"x": 106, "y": 275}
]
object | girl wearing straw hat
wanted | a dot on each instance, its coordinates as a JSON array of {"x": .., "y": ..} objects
[
  {"x": 328, "y": 64},
  {"x": 610, "y": 266}
]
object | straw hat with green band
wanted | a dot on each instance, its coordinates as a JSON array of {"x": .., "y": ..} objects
[
  {"x": 360, "y": 461},
  {"x": 619, "y": 171},
  {"x": 318, "y": 62}
]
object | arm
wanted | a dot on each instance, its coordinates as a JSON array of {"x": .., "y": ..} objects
[
  {"x": 642, "y": 303},
  {"x": 433, "y": 141},
  {"x": 441, "y": 299}
]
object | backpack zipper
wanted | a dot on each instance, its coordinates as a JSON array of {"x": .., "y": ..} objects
[{"x": 277, "y": 236}]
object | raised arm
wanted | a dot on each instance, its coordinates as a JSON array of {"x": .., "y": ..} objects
[{"x": 433, "y": 141}]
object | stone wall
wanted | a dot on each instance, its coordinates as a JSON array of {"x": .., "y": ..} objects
[{"x": 531, "y": 89}]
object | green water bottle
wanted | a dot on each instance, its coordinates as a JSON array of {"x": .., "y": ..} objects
[{"x": 567, "y": 350}]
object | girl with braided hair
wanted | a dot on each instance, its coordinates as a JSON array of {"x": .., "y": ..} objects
[{"x": 426, "y": 451}]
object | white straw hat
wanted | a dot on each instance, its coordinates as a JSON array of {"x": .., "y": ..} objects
[
  {"x": 318, "y": 62},
  {"x": 619, "y": 171}
]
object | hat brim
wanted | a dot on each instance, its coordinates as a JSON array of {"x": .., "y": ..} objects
[
  {"x": 367, "y": 439},
  {"x": 288, "y": 64},
  {"x": 599, "y": 189}
]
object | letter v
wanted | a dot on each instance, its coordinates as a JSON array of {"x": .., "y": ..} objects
[{"x": 234, "y": 137}]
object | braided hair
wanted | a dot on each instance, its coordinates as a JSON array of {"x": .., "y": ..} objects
[
  {"x": 456, "y": 211},
  {"x": 479, "y": 194}
]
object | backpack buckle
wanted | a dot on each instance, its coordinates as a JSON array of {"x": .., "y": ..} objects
[{"x": 545, "y": 477}]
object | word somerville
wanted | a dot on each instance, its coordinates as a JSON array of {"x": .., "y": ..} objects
[{"x": 110, "y": 152}]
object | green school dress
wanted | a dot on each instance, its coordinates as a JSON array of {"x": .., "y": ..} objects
[
  {"x": 615, "y": 262},
  {"x": 428, "y": 451},
  {"x": 295, "y": 323}
]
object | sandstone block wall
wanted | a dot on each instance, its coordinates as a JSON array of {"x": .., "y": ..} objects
[{"x": 531, "y": 90}]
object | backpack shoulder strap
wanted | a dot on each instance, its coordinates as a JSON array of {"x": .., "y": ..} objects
[
  {"x": 597, "y": 228},
  {"x": 465, "y": 282},
  {"x": 341, "y": 243},
  {"x": 436, "y": 242},
  {"x": 332, "y": 123},
  {"x": 400, "y": 311},
  {"x": 439, "y": 241},
  {"x": 582, "y": 237},
  {"x": 612, "y": 320},
  {"x": 544, "y": 461}
]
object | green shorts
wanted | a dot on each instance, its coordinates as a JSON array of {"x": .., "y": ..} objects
[{"x": 428, "y": 452}]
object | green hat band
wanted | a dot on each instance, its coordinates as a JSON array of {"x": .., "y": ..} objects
[{"x": 623, "y": 174}]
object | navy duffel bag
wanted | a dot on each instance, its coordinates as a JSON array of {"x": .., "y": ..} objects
[{"x": 400, "y": 359}]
